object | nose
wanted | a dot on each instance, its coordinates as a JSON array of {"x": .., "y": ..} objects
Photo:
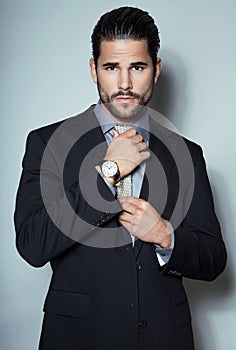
[{"x": 124, "y": 82}]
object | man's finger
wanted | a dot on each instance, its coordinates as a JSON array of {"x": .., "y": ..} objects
[
  {"x": 115, "y": 133},
  {"x": 129, "y": 207},
  {"x": 126, "y": 217},
  {"x": 141, "y": 147},
  {"x": 138, "y": 202},
  {"x": 145, "y": 155}
]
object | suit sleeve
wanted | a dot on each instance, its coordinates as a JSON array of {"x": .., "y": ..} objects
[
  {"x": 43, "y": 230},
  {"x": 199, "y": 251}
]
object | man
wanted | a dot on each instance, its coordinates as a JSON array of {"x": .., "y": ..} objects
[{"x": 119, "y": 205}]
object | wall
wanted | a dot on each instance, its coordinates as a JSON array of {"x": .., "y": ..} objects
[{"x": 45, "y": 48}]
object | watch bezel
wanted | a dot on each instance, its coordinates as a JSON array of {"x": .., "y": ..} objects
[{"x": 116, "y": 175}]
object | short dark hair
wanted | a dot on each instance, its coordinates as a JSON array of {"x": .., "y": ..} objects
[{"x": 126, "y": 23}]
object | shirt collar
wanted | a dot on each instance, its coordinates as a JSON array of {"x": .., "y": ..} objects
[{"x": 107, "y": 123}]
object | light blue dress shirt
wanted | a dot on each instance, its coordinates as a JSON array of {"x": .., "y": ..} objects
[{"x": 142, "y": 127}]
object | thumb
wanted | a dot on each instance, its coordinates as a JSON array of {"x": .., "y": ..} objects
[{"x": 115, "y": 133}]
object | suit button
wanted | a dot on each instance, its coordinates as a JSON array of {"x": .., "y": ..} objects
[
  {"x": 175, "y": 273},
  {"x": 102, "y": 219},
  {"x": 138, "y": 266},
  {"x": 142, "y": 324},
  {"x": 97, "y": 223},
  {"x": 107, "y": 215}
]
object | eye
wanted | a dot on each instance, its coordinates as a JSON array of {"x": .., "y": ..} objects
[
  {"x": 111, "y": 68},
  {"x": 137, "y": 68}
]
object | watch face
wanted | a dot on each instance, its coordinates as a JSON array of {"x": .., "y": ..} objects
[{"x": 109, "y": 168}]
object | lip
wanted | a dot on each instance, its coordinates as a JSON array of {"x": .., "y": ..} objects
[{"x": 124, "y": 99}]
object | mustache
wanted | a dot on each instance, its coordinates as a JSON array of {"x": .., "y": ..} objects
[{"x": 127, "y": 93}]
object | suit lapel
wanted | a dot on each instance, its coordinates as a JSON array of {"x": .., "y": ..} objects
[
  {"x": 92, "y": 144},
  {"x": 159, "y": 168}
]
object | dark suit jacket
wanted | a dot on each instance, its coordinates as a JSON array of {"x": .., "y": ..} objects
[{"x": 104, "y": 294}]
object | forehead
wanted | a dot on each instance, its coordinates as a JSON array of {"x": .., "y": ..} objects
[{"x": 120, "y": 50}]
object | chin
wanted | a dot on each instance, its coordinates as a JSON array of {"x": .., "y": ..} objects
[{"x": 125, "y": 112}]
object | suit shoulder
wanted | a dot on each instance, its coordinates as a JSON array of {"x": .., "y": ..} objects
[
  {"x": 164, "y": 130},
  {"x": 46, "y": 131},
  {"x": 194, "y": 148}
]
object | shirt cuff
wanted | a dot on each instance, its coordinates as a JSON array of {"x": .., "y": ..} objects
[{"x": 164, "y": 254}]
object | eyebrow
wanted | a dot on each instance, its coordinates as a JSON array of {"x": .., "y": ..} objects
[
  {"x": 108, "y": 64},
  {"x": 114, "y": 64},
  {"x": 139, "y": 63}
]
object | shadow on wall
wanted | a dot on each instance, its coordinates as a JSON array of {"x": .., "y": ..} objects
[
  {"x": 170, "y": 93},
  {"x": 170, "y": 99}
]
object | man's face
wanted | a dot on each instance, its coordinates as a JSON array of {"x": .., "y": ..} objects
[{"x": 125, "y": 78}]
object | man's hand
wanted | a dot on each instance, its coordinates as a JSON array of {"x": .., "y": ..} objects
[
  {"x": 143, "y": 221},
  {"x": 128, "y": 150}
]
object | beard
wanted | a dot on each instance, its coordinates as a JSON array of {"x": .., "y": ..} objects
[{"x": 124, "y": 112}]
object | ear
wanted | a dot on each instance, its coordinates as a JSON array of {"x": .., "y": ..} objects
[
  {"x": 158, "y": 69},
  {"x": 93, "y": 70}
]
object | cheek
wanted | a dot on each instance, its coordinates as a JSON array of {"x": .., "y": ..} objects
[
  {"x": 143, "y": 82},
  {"x": 108, "y": 84}
]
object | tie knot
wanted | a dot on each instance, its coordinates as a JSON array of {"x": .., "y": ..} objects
[{"x": 120, "y": 128}]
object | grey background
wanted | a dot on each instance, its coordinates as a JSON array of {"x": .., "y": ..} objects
[{"x": 44, "y": 54}]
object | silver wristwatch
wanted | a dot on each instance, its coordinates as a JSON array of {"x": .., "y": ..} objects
[{"x": 110, "y": 169}]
